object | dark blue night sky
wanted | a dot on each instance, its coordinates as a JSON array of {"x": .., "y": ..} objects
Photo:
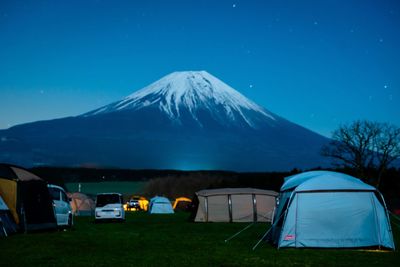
[{"x": 316, "y": 63}]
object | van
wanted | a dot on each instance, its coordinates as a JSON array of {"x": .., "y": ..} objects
[
  {"x": 61, "y": 206},
  {"x": 109, "y": 206}
]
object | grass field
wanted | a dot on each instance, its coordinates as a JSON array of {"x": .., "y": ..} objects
[
  {"x": 170, "y": 240},
  {"x": 125, "y": 188}
]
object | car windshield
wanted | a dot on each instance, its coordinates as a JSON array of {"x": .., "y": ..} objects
[{"x": 105, "y": 199}]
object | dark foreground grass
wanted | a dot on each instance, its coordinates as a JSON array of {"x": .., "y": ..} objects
[{"x": 170, "y": 240}]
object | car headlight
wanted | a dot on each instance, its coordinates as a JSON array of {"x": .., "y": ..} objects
[{"x": 117, "y": 212}]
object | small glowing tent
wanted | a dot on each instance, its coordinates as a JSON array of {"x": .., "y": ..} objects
[
  {"x": 143, "y": 203},
  {"x": 330, "y": 210},
  {"x": 235, "y": 205},
  {"x": 27, "y": 197},
  {"x": 182, "y": 204},
  {"x": 160, "y": 205},
  {"x": 81, "y": 204}
]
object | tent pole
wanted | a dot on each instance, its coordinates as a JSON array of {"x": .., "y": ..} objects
[
  {"x": 206, "y": 207},
  {"x": 24, "y": 223},
  {"x": 255, "y": 215},
  {"x": 262, "y": 238},
  {"x": 230, "y": 207},
  {"x": 2, "y": 227},
  {"x": 238, "y": 233}
]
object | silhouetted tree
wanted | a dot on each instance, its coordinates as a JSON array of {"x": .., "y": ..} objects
[
  {"x": 365, "y": 145},
  {"x": 386, "y": 145}
]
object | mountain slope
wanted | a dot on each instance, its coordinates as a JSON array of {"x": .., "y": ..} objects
[{"x": 186, "y": 120}]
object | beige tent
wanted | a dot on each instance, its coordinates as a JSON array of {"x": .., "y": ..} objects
[
  {"x": 81, "y": 204},
  {"x": 235, "y": 205}
]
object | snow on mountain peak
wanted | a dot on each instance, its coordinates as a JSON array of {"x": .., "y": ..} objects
[{"x": 191, "y": 90}]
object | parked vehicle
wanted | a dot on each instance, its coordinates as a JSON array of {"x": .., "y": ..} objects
[
  {"x": 109, "y": 206},
  {"x": 133, "y": 204},
  {"x": 62, "y": 207}
]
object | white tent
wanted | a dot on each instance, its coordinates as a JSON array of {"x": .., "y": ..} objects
[
  {"x": 330, "y": 210},
  {"x": 160, "y": 205},
  {"x": 235, "y": 205}
]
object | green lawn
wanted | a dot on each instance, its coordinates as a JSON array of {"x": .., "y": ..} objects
[
  {"x": 125, "y": 188},
  {"x": 170, "y": 240}
]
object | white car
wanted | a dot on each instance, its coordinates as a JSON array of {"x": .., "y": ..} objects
[
  {"x": 62, "y": 208},
  {"x": 109, "y": 206}
]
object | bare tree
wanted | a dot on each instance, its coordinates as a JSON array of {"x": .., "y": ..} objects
[
  {"x": 386, "y": 145},
  {"x": 364, "y": 145}
]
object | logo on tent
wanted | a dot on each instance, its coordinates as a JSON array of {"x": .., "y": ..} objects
[{"x": 289, "y": 237}]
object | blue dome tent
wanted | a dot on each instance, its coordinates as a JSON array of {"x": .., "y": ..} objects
[
  {"x": 325, "y": 209},
  {"x": 160, "y": 205}
]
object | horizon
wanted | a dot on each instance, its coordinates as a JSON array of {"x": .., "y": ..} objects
[{"x": 316, "y": 64}]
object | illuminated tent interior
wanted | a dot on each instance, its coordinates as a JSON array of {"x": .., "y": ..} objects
[
  {"x": 143, "y": 203},
  {"x": 182, "y": 204}
]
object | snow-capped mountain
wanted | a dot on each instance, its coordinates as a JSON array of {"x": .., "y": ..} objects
[
  {"x": 185, "y": 120},
  {"x": 192, "y": 92}
]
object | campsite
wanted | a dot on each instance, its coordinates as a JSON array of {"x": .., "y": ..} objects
[
  {"x": 199, "y": 133},
  {"x": 338, "y": 220},
  {"x": 170, "y": 240}
]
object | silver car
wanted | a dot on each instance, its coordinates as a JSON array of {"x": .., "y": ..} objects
[{"x": 62, "y": 208}]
